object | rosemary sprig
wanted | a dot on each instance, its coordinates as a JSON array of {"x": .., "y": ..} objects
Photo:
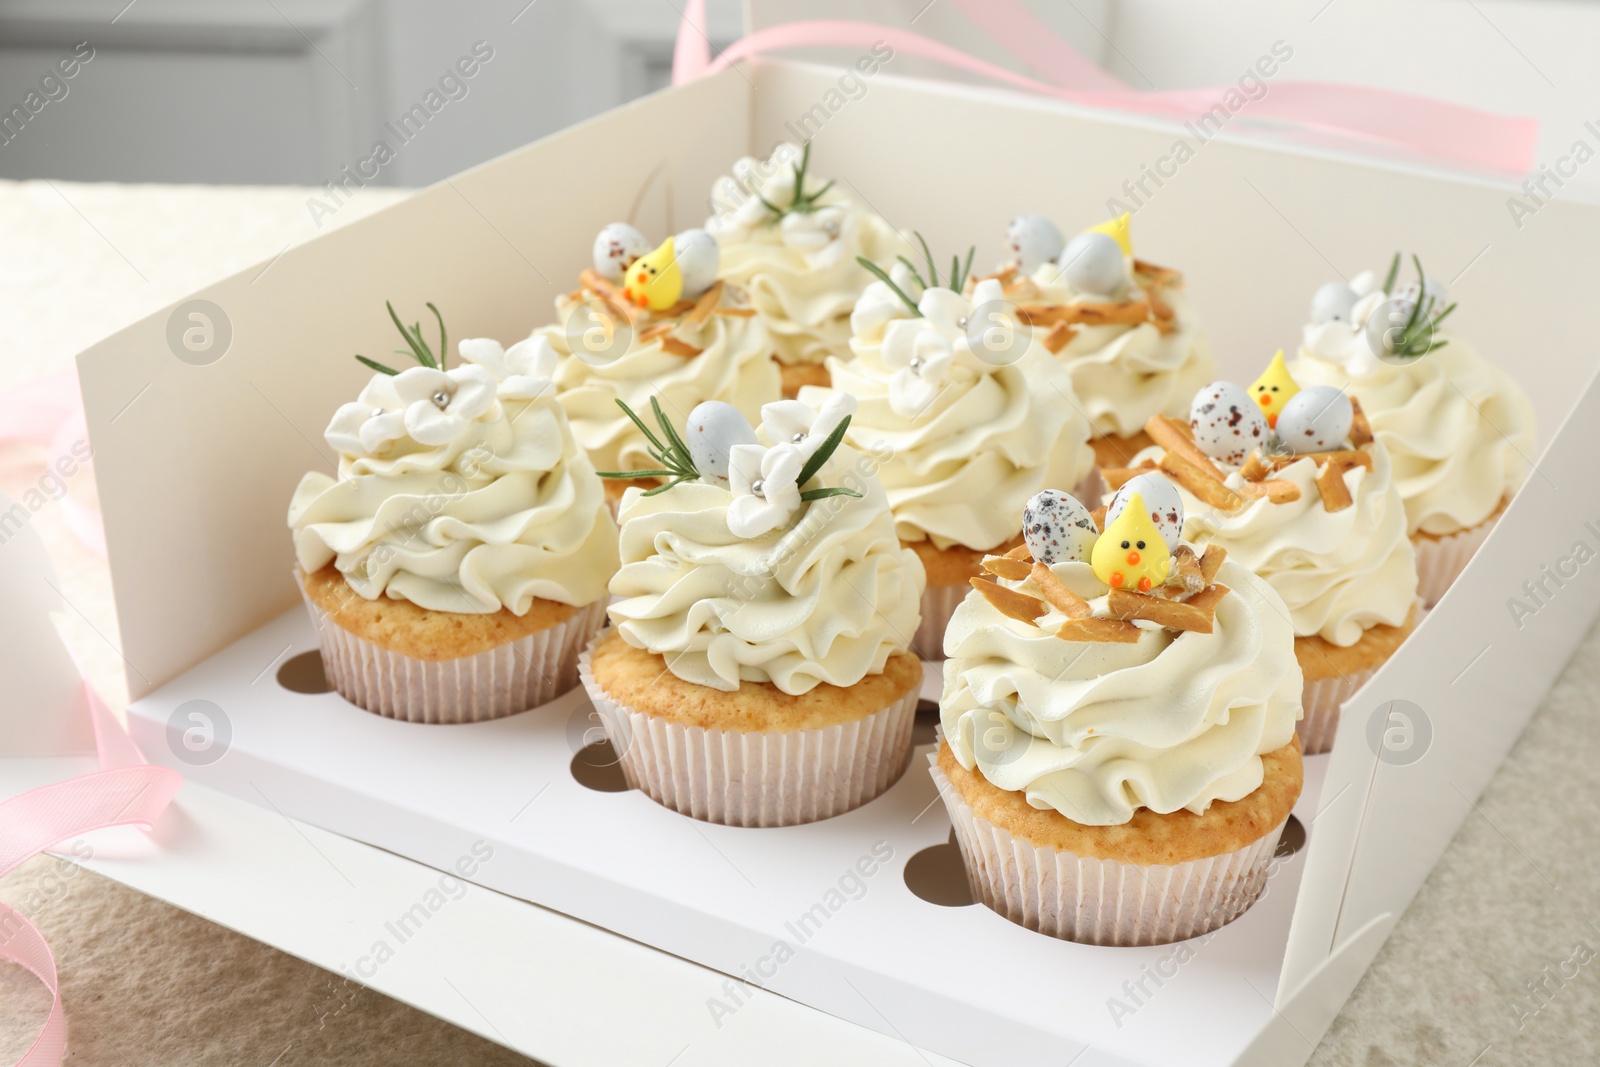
[
  {"x": 933, "y": 271},
  {"x": 1393, "y": 275},
  {"x": 823, "y": 453},
  {"x": 1417, "y": 335},
  {"x": 883, "y": 276},
  {"x": 672, "y": 453},
  {"x": 416, "y": 347},
  {"x": 802, "y": 202},
  {"x": 960, "y": 273}
]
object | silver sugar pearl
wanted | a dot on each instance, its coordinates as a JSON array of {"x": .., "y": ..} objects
[
  {"x": 797, "y": 438},
  {"x": 757, "y": 486},
  {"x": 962, "y": 322},
  {"x": 915, "y": 362},
  {"x": 441, "y": 400}
]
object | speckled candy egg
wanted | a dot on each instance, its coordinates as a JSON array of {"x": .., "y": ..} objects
[
  {"x": 1161, "y": 497},
  {"x": 699, "y": 257},
  {"x": 616, "y": 247},
  {"x": 1226, "y": 423},
  {"x": 1034, "y": 240},
  {"x": 711, "y": 432},
  {"x": 1332, "y": 302},
  {"x": 1316, "y": 419},
  {"x": 1057, "y": 528},
  {"x": 1092, "y": 263}
]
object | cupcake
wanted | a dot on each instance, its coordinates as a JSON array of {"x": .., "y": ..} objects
[
  {"x": 1306, "y": 499},
  {"x": 457, "y": 564},
  {"x": 1459, "y": 431},
  {"x": 969, "y": 415},
  {"x": 791, "y": 241},
  {"x": 1118, "y": 752},
  {"x": 653, "y": 322},
  {"x": 757, "y": 672},
  {"x": 1124, "y": 328}
]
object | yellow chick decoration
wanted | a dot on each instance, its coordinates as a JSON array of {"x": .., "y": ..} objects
[
  {"x": 1117, "y": 229},
  {"x": 653, "y": 281},
  {"x": 1131, "y": 553},
  {"x": 1273, "y": 389}
]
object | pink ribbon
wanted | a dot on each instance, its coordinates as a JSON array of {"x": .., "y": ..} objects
[
  {"x": 1324, "y": 113},
  {"x": 48, "y": 411},
  {"x": 125, "y": 791}
]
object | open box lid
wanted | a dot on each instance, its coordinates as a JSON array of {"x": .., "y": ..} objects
[{"x": 197, "y": 451}]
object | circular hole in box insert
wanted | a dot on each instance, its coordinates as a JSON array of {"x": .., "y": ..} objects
[
  {"x": 304, "y": 674},
  {"x": 927, "y": 718},
  {"x": 1292, "y": 840},
  {"x": 597, "y": 767},
  {"x": 937, "y": 875}
]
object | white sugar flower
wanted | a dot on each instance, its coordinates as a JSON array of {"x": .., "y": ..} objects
[
  {"x": 439, "y": 404},
  {"x": 921, "y": 356},
  {"x": 879, "y": 305},
  {"x": 766, "y": 488},
  {"x": 815, "y": 234},
  {"x": 525, "y": 370},
  {"x": 371, "y": 423},
  {"x": 798, "y": 423}
]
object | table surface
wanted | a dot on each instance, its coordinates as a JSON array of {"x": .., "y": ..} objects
[{"x": 1496, "y": 961}]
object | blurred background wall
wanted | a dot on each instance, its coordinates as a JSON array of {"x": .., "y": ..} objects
[{"x": 296, "y": 91}]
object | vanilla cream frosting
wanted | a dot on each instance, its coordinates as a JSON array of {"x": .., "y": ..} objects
[
  {"x": 1097, "y": 730},
  {"x": 1126, "y": 374},
  {"x": 460, "y": 491},
  {"x": 801, "y": 270},
  {"x": 967, "y": 441},
  {"x": 826, "y": 597},
  {"x": 1338, "y": 573},
  {"x": 734, "y": 365},
  {"x": 1460, "y": 432}
]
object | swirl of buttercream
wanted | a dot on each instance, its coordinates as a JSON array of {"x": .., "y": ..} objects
[
  {"x": 1126, "y": 374},
  {"x": 1459, "y": 431},
  {"x": 507, "y": 509},
  {"x": 967, "y": 440},
  {"x": 1338, "y": 573},
  {"x": 1096, "y": 730},
  {"x": 827, "y": 597},
  {"x": 800, "y": 268}
]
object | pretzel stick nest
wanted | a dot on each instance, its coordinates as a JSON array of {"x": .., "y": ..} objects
[
  {"x": 1059, "y": 337},
  {"x": 1360, "y": 428},
  {"x": 1058, "y": 595},
  {"x": 1121, "y": 313},
  {"x": 1009, "y": 602},
  {"x": 1196, "y": 615},
  {"x": 1117, "y": 477}
]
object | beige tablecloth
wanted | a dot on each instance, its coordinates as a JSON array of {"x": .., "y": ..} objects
[{"x": 1483, "y": 969}]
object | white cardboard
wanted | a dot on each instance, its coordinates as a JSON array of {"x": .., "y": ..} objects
[
  {"x": 194, "y": 475},
  {"x": 722, "y": 896}
]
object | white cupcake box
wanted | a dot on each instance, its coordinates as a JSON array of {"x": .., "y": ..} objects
[{"x": 195, "y": 477}]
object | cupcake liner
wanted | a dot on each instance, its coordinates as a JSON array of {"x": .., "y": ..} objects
[
  {"x": 1440, "y": 562},
  {"x": 939, "y": 602},
  {"x": 1102, "y": 902},
  {"x": 1322, "y": 700},
  {"x": 756, "y": 779},
  {"x": 492, "y": 684}
]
